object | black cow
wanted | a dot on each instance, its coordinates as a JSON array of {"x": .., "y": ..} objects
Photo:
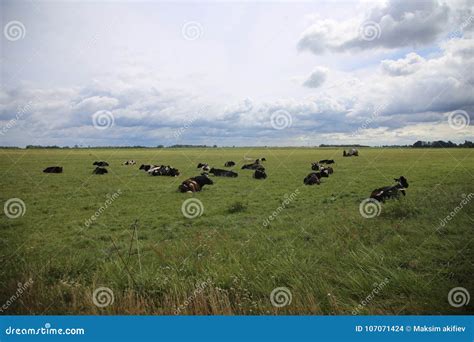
[
  {"x": 315, "y": 166},
  {"x": 263, "y": 159},
  {"x": 381, "y": 194},
  {"x": 254, "y": 166},
  {"x": 129, "y": 162},
  {"x": 229, "y": 163},
  {"x": 328, "y": 169},
  {"x": 101, "y": 163},
  {"x": 100, "y": 171},
  {"x": 327, "y": 161},
  {"x": 223, "y": 173},
  {"x": 312, "y": 179},
  {"x": 260, "y": 173},
  {"x": 53, "y": 169},
  {"x": 195, "y": 184}
]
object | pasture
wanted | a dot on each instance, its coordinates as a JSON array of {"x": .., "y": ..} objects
[{"x": 229, "y": 260}]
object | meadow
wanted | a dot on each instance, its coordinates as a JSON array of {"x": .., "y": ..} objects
[{"x": 328, "y": 257}]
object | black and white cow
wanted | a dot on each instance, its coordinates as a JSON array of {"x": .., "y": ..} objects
[
  {"x": 352, "y": 152},
  {"x": 100, "y": 163},
  {"x": 386, "y": 192},
  {"x": 53, "y": 169},
  {"x": 129, "y": 162},
  {"x": 260, "y": 173},
  {"x": 195, "y": 184},
  {"x": 100, "y": 171},
  {"x": 327, "y": 169},
  {"x": 230, "y": 163},
  {"x": 315, "y": 166},
  {"x": 163, "y": 171},
  {"x": 146, "y": 167},
  {"x": 223, "y": 173}
]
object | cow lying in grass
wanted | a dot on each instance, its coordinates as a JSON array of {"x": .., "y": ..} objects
[
  {"x": 195, "y": 184},
  {"x": 315, "y": 166},
  {"x": 223, "y": 173},
  {"x": 100, "y": 171},
  {"x": 312, "y": 179},
  {"x": 146, "y": 167},
  {"x": 230, "y": 163},
  {"x": 327, "y": 161},
  {"x": 53, "y": 169},
  {"x": 100, "y": 163},
  {"x": 381, "y": 194},
  {"x": 254, "y": 166},
  {"x": 163, "y": 171},
  {"x": 352, "y": 152},
  {"x": 129, "y": 162},
  {"x": 329, "y": 170},
  {"x": 204, "y": 167},
  {"x": 260, "y": 173}
]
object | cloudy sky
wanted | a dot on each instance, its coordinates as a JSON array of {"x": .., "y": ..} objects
[{"x": 236, "y": 73}]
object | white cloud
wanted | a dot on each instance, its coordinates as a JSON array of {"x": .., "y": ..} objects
[{"x": 316, "y": 78}]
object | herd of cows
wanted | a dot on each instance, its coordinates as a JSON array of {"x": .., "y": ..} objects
[{"x": 195, "y": 184}]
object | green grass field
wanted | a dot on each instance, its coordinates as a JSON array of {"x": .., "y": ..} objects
[{"x": 331, "y": 259}]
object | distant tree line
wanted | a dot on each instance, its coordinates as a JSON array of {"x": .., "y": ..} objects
[{"x": 442, "y": 144}]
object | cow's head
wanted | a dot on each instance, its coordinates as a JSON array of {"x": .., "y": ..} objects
[{"x": 402, "y": 181}]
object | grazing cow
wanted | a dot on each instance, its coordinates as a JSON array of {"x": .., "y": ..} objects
[
  {"x": 327, "y": 161},
  {"x": 315, "y": 166},
  {"x": 53, "y": 169},
  {"x": 312, "y": 179},
  {"x": 229, "y": 164},
  {"x": 195, "y": 184},
  {"x": 381, "y": 194},
  {"x": 260, "y": 173},
  {"x": 101, "y": 163},
  {"x": 352, "y": 152},
  {"x": 100, "y": 171},
  {"x": 254, "y": 166},
  {"x": 223, "y": 173},
  {"x": 163, "y": 171},
  {"x": 129, "y": 162}
]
